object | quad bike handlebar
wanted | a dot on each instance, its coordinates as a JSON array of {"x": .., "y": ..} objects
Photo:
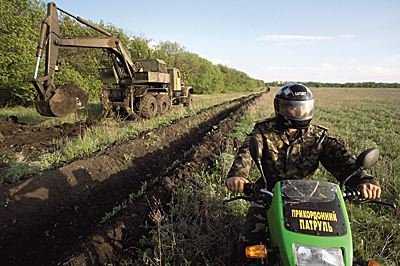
[
  {"x": 356, "y": 196},
  {"x": 253, "y": 193}
]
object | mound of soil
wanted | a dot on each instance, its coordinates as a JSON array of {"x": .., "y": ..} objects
[
  {"x": 108, "y": 244},
  {"x": 45, "y": 214},
  {"x": 28, "y": 140}
]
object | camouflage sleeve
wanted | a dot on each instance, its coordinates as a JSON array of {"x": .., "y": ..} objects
[
  {"x": 341, "y": 163},
  {"x": 242, "y": 164}
]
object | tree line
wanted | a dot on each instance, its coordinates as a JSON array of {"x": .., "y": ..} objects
[
  {"x": 19, "y": 34},
  {"x": 341, "y": 85}
]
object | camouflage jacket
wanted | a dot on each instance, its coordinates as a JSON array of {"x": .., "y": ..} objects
[{"x": 297, "y": 158}]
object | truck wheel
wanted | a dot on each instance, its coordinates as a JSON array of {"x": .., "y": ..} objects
[
  {"x": 188, "y": 101},
  {"x": 148, "y": 106},
  {"x": 164, "y": 103}
]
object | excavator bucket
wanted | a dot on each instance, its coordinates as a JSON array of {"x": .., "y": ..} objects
[{"x": 65, "y": 100}]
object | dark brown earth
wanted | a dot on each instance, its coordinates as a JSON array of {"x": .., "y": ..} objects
[
  {"x": 120, "y": 237},
  {"x": 30, "y": 140},
  {"x": 26, "y": 142},
  {"x": 46, "y": 215}
]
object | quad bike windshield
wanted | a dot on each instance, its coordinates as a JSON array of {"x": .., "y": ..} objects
[
  {"x": 312, "y": 207},
  {"x": 308, "y": 191}
]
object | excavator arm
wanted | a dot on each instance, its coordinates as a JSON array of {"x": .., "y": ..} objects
[{"x": 53, "y": 101}]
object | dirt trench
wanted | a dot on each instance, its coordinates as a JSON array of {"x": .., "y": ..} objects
[
  {"x": 47, "y": 213},
  {"x": 109, "y": 243},
  {"x": 27, "y": 141}
]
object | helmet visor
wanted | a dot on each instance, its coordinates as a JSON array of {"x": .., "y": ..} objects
[{"x": 297, "y": 110}]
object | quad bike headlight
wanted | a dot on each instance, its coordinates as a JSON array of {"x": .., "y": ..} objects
[{"x": 313, "y": 256}]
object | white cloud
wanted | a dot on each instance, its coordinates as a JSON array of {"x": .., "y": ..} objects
[
  {"x": 293, "y": 37},
  {"x": 333, "y": 72},
  {"x": 302, "y": 38},
  {"x": 347, "y": 36}
]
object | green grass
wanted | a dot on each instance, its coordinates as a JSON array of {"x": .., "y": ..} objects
[
  {"x": 364, "y": 124},
  {"x": 198, "y": 224},
  {"x": 98, "y": 137},
  {"x": 111, "y": 131},
  {"x": 25, "y": 114},
  {"x": 29, "y": 115},
  {"x": 199, "y": 229}
]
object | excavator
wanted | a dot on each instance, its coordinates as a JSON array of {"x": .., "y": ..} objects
[{"x": 144, "y": 88}]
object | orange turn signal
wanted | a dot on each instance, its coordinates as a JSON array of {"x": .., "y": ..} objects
[
  {"x": 373, "y": 263},
  {"x": 256, "y": 252}
]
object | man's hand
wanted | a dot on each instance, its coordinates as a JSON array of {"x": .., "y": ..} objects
[
  {"x": 370, "y": 191},
  {"x": 236, "y": 183}
]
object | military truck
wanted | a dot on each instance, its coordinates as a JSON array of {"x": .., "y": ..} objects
[{"x": 144, "y": 88}]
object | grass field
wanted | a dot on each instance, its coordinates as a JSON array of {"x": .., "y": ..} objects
[
  {"x": 31, "y": 116},
  {"x": 364, "y": 118},
  {"x": 367, "y": 118}
]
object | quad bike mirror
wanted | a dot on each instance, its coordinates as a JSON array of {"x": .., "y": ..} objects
[
  {"x": 368, "y": 158},
  {"x": 365, "y": 160},
  {"x": 256, "y": 154},
  {"x": 255, "y": 149}
]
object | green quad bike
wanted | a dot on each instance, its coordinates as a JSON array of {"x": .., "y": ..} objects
[{"x": 307, "y": 220}]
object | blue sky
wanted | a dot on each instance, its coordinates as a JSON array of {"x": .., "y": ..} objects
[{"x": 332, "y": 41}]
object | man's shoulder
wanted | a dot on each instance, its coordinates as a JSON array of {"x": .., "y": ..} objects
[
  {"x": 317, "y": 129},
  {"x": 269, "y": 125},
  {"x": 266, "y": 125}
]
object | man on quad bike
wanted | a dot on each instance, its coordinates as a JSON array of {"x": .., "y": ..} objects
[{"x": 292, "y": 149}]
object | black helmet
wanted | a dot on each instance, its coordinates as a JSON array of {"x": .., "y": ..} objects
[{"x": 294, "y": 106}]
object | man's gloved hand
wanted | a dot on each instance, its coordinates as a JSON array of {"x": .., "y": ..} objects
[
  {"x": 236, "y": 183},
  {"x": 370, "y": 191}
]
